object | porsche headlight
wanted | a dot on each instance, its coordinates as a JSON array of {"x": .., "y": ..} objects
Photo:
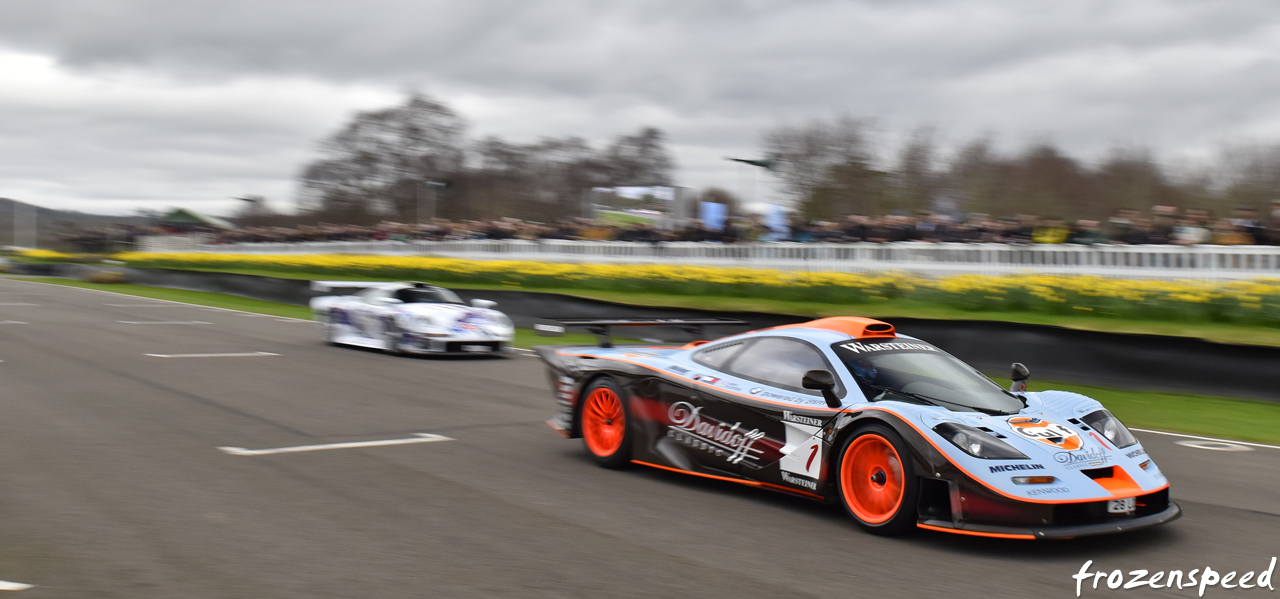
[
  {"x": 501, "y": 320},
  {"x": 421, "y": 323},
  {"x": 1110, "y": 427},
  {"x": 977, "y": 443}
]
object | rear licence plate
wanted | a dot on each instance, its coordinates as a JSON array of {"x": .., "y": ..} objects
[
  {"x": 1122, "y": 506},
  {"x": 477, "y": 348}
]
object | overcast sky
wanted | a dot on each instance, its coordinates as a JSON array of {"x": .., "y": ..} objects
[{"x": 113, "y": 106}]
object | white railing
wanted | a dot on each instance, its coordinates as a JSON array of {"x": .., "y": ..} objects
[{"x": 1127, "y": 261}]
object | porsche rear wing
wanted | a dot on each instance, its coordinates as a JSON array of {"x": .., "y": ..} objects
[
  {"x": 601, "y": 327},
  {"x": 333, "y": 285}
]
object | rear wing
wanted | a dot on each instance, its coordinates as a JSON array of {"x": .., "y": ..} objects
[
  {"x": 334, "y": 285},
  {"x": 602, "y": 327}
]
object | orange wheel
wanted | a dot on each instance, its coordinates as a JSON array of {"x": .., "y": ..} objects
[
  {"x": 877, "y": 488},
  {"x": 604, "y": 424}
]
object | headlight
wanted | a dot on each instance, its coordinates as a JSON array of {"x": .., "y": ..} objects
[
  {"x": 420, "y": 323},
  {"x": 1110, "y": 427},
  {"x": 977, "y": 443},
  {"x": 501, "y": 319}
]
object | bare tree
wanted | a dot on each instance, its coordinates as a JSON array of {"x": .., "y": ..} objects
[
  {"x": 826, "y": 167},
  {"x": 373, "y": 166},
  {"x": 641, "y": 159}
]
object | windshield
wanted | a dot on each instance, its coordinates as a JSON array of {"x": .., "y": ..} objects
[
  {"x": 916, "y": 372},
  {"x": 427, "y": 295}
]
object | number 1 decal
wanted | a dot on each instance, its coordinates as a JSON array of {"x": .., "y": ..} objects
[{"x": 808, "y": 466}]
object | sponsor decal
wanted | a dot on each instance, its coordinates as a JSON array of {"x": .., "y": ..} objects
[
  {"x": 678, "y": 369},
  {"x": 705, "y": 378},
  {"x": 789, "y": 416},
  {"x": 756, "y": 391},
  {"x": 1135, "y": 453},
  {"x": 791, "y": 398},
  {"x": 1048, "y": 490},
  {"x": 859, "y": 347},
  {"x": 548, "y": 328},
  {"x": 792, "y": 479},
  {"x": 1043, "y": 431},
  {"x": 1092, "y": 457},
  {"x": 1013, "y": 467},
  {"x": 690, "y": 427}
]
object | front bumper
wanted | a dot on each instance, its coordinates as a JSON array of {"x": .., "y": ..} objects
[
  {"x": 1169, "y": 514},
  {"x": 451, "y": 347}
]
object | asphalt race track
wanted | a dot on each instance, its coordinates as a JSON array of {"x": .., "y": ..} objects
[{"x": 112, "y": 483}]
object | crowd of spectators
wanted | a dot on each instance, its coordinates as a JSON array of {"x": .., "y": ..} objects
[{"x": 1161, "y": 225}]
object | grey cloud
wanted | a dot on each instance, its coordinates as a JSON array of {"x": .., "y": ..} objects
[{"x": 1174, "y": 74}]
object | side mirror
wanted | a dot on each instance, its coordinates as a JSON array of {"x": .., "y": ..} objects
[
  {"x": 1020, "y": 375},
  {"x": 824, "y": 381},
  {"x": 483, "y": 304}
]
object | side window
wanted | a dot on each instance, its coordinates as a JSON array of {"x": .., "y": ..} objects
[
  {"x": 778, "y": 361},
  {"x": 717, "y": 356}
]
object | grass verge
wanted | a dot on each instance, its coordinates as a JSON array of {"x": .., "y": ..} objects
[
  {"x": 1222, "y": 332},
  {"x": 1175, "y": 412}
]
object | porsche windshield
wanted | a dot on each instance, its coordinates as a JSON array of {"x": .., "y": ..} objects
[{"x": 916, "y": 372}]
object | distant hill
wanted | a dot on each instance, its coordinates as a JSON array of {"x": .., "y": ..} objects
[{"x": 51, "y": 224}]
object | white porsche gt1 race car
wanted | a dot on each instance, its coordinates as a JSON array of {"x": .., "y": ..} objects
[{"x": 410, "y": 318}]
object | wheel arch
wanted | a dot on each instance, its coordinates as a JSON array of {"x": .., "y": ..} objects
[{"x": 923, "y": 455}]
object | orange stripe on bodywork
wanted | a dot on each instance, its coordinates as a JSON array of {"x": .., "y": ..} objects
[
  {"x": 1120, "y": 484},
  {"x": 741, "y": 481},
  {"x": 877, "y": 409},
  {"x": 975, "y": 533}
]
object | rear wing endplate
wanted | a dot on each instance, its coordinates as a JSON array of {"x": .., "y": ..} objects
[{"x": 602, "y": 328}]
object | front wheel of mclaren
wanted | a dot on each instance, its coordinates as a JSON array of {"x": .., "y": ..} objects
[
  {"x": 605, "y": 425},
  {"x": 875, "y": 484}
]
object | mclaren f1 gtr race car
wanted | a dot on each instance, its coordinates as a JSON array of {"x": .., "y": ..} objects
[
  {"x": 844, "y": 409},
  {"x": 409, "y": 318}
]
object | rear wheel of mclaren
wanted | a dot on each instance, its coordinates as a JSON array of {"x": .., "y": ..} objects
[
  {"x": 875, "y": 484},
  {"x": 605, "y": 425}
]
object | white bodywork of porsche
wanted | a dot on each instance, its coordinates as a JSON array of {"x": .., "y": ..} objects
[{"x": 409, "y": 318}]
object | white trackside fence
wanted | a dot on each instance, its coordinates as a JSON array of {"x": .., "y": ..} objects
[{"x": 1121, "y": 261}]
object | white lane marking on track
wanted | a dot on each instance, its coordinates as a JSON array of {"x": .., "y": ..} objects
[
  {"x": 417, "y": 438},
  {"x": 1213, "y": 445},
  {"x": 154, "y": 304},
  {"x": 161, "y": 322},
  {"x": 1231, "y": 441},
  {"x": 14, "y": 586},
  {"x": 225, "y": 355},
  {"x": 528, "y": 352},
  {"x": 11, "y": 322}
]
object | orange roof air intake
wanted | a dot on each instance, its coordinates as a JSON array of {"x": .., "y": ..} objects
[{"x": 854, "y": 326}]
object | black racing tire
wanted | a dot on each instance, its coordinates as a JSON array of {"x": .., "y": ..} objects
[
  {"x": 392, "y": 338},
  {"x": 605, "y": 423},
  {"x": 327, "y": 328},
  {"x": 875, "y": 481}
]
